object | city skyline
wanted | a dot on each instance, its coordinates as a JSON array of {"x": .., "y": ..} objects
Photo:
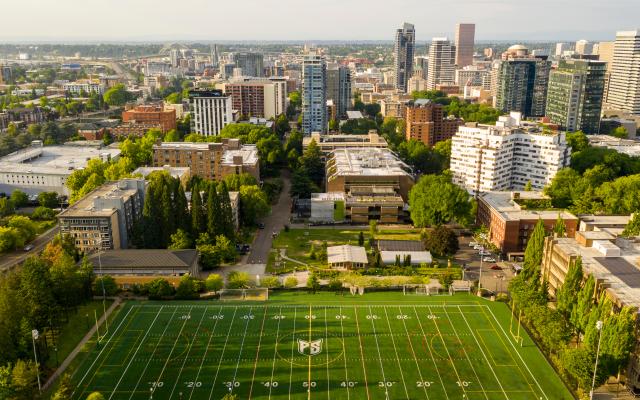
[{"x": 145, "y": 20}]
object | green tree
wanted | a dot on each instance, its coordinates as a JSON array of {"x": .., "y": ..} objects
[
  {"x": 24, "y": 379},
  {"x": 108, "y": 283},
  {"x": 620, "y": 132},
  {"x": 159, "y": 288},
  {"x": 214, "y": 283},
  {"x": 528, "y": 187},
  {"x": 579, "y": 364},
  {"x": 48, "y": 199},
  {"x": 633, "y": 226},
  {"x": 19, "y": 198},
  {"x": 302, "y": 186},
  {"x": 95, "y": 396},
  {"x": 180, "y": 240},
  {"x": 290, "y": 282},
  {"x": 434, "y": 200},
  {"x": 441, "y": 241},
  {"x": 198, "y": 215},
  {"x": 227, "y": 226},
  {"x": 533, "y": 254},
  {"x": 209, "y": 256},
  {"x": 311, "y": 163},
  {"x": 171, "y": 136},
  {"x": 225, "y": 248},
  {"x": 6, "y": 207},
  {"x": 42, "y": 213},
  {"x": 35, "y": 291},
  {"x": 238, "y": 280},
  {"x": 313, "y": 284},
  {"x": 577, "y": 140},
  {"x": 580, "y": 313},
  {"x": 117, "y": 96},
  {"x": 567, "y": 295},
  {"x": 373, "y": 228},
  {"x": 270, "y": 282},
  {"x": 361, "y": 239},
  {"x": 560, "y": 229},
  {"x": 65, "y": 389},
  {"x": 214, "y": 212},
  {"x": 24, "y": 225},
  {"x": 187, "y": 288},
  {"x": 253, "y": 205}
]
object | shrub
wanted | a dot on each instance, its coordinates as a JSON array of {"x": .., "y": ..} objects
[
  {"x": 291, "y": 282},
  {"x": 270, "y": 282}
]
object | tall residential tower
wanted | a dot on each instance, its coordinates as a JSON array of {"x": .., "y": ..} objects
[
  {"x": 441, "y": 63},
  {"x": 403, "y": 55},
  {"x": 624, "y": 83},
  {"x": 314, "y": 94}
]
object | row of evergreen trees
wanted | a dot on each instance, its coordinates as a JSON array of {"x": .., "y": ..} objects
[
  {"x": 166, "y": 211},
  {"x": 568, "y": 333}
]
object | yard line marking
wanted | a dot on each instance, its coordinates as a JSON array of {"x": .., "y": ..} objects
[
  {"x": 344, "y": 354},
  {"x": 446, "y": 348},
  {"x": 215, "y": 379},
  {"x": 170, "y": 353},
  {"x": 485, "y": 356},
  {"x": 295, "y": 311},
  {"x": 518, "y": 353},
  {"x": 309, "y": 374},
  {"x": 393, "y": 341},
  {"x": 235, "y": 373},
  {"x": 255, "y": 364},
  {"x": 364, "y": 370},
  {"x": 103, "y": 349},
  {"x": 326, "y": 335},
  {"x": 466, "y": 354},
  {"x": 205, "y": 352},
  {"x": 195, "y": 336},
  {"x": 375, "y": 335},
  {"x": 415, "y": 358},
  {"x": 138, "y": 348},
  {"x": 275, "y": 352}
]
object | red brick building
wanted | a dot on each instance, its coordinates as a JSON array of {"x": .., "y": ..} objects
[
  {"x": 151, "y": 115},
  {"x": 427, "y": 123}
]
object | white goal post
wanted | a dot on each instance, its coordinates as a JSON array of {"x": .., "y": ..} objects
[{"x": 253, "y": 294}]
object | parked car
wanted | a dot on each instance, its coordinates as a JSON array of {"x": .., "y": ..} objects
[
  {"x": 477, "y": 247},
  {"x": 28, "y": 247},
  {"x": 242, "y": 248},
  {"x": 484, "y": 253},
  {"x": 496, "y": 267},
  {"x": 489, "y": 259},
  {"x": 473, "y": 244},
  {"x": 260, "y": 225}
]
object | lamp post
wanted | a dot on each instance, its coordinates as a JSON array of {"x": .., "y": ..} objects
[
  {"x": 35, "y": 335},
  {"x": 56, "y": 350},
  {"x": 595, "y": 368},
  {"x": 480, "y": 278}
]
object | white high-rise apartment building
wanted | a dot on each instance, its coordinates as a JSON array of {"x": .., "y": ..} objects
[
  {"x": 441, "y": 63},
  {"x": 584, "y": 47},
  {"x": 314, "y": 94},
  {"x": 624, "y": 83},
  {"x": 507, "y": 156},
  {"x": 403, "y": 51},
  {"x": 210, "y": 111}
]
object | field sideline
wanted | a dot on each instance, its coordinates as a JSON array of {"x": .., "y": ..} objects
[{"x": 294, "y": 346}]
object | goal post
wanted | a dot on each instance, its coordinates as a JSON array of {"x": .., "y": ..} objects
[{"x": 253, "y": 294}]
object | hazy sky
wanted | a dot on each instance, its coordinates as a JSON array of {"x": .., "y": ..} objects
[{"x": 162, "y": 20}]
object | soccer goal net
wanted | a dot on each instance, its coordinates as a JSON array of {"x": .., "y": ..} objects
[{"x": 256, "y": 294}]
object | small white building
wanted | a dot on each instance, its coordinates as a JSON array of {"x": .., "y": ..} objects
[
  {"x": 416, "y": 257},
  {"x": 347, "y": 257},
  {"x": 325, "y": 207}
]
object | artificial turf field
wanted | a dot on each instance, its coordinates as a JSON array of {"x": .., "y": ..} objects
[{"x": 323, "y": 346}]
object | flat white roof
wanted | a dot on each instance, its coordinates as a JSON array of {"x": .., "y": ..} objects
[
  {"x": 347, "y": 253},
  {"x": 366, "y": 161},
  {"x": 53, "y": 159},
  {"x": 248, "y": 152},
  {"x": 504, "y": 203},
  {"x": 417, "y": 257}
]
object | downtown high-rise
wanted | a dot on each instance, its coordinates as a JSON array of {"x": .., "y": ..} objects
[
  {"x": 252, "y": 64},
  {"x": 339, "y": 88},
  {"x": 464, "y": 42},
  {"x": 522, "y": 82},
  {"x": 314, "y": 94},
  {"x": 403, "y": 55},
  {"x": 574, "y": 96},
  {"x": 441, "y": 63},
  {"x": 624, "y": 82}
]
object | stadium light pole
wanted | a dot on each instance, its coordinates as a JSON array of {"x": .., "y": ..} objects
[
  {"x": 595, "y": 368},
  {"x": 34, "y": 335}
]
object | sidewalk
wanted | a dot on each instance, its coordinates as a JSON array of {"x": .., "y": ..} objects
[{"x": 75, "y": 351}]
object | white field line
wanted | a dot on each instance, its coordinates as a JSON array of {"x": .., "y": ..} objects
[
  {"x": 404, "y": 323},
  {"x": 453, "y": 365},
  {"x": 364, "y": 369},
  {"x": 295, "y": 310},
  {"x": 206, "y": 350},
  {"x": 103, "y": 349},
  {"x": 344, "y": 353},
  {"x": 395, "y": 350},
  {"x": 466, "y": 354},
  {"x": 275, "y": 351},
  {"x": 255, "y": 364},
  {"x": 375, "y": 335},
  {"x": 235, "y": 373},
  {"x": 171, "y": 352},
  {"x": 484, "y": 355},
  {"x": 428, "y": 345},
  {"x": 195, "y": 336},
  {"x": 215, "y": 379},
  {"x": 518, "y": 353},
  {"x": 138, "y": 349}
]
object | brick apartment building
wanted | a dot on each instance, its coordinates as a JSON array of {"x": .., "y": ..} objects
[
  {"x": 151, "y": 115},
  {"x": 426, "y": 122}
]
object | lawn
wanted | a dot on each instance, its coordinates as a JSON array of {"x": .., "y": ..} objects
[
  {"x": 74, "y": 330},
  {"x": 299, "y": 346},
  {"x": 298, "y": 242}
]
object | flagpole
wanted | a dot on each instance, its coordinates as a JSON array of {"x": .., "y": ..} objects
[{"x": 34, "y": 334}]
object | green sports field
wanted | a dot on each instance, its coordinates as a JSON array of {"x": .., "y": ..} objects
[{"x": 324, "y": 346}]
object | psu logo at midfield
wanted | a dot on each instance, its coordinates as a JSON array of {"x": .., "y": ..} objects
[{"x": 310, "y": 348}]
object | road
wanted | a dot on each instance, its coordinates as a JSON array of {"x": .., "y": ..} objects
[
  {"x": 10, "y": 260},
  {"x": 275, "y": 222},
  {"x": 493, "y": 280}
]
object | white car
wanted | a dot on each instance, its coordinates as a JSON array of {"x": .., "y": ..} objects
[
  {"x": 484, "y": 253},
  {"x": 477, "y": 247},
  {"x": 489, "y": 259},
  {"x": 473, "y": 244}
]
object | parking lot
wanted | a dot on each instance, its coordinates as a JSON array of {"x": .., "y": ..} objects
[{"x": 495, "y": 274}]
